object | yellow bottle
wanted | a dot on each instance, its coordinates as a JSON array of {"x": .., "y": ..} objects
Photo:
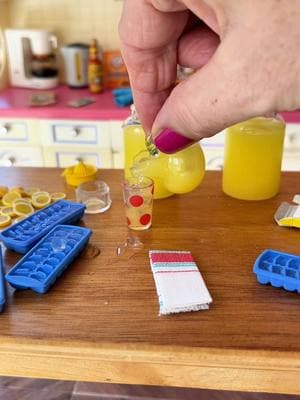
[{"x": 252, "y": 158}]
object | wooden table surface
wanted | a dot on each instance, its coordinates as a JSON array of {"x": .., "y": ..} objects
[{"x": 100, "y": 321}]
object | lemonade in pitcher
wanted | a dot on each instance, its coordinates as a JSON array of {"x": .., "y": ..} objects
[{"x": 178, "y": 173}]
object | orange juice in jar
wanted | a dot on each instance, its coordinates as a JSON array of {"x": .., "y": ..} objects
[{"x": 252, "y": 158}]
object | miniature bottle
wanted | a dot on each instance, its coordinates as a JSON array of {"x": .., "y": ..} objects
[
  {"x": 95, "y": 69},
  {"x": 252, "y": 158}
]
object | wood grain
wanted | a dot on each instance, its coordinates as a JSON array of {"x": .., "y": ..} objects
[{"x": 100, "y": 321}]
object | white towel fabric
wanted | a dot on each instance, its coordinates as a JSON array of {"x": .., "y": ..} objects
[{"x": 179, "y": 284}]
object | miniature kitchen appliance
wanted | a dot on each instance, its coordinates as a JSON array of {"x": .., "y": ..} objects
[
  {"x": 76, "y": 58},
  {"x": 32, "y": 59}
]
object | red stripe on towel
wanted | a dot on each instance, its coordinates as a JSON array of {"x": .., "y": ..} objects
[{"x": 171, "y": 257}]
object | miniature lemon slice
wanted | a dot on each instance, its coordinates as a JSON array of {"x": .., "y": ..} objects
[
  {"x": 10, "y": 197},
  {"x": 41, "y": 199},
  {"x": 58, "y": 196},
  {"x": 3, "y": 191},
  {"x": 5, "y": 220},
  {"x": 8, "y": 211},
  {"x": 18, "y": 189},
  {"x": 20, "y": 218},
  {"x": 24, "y": 200},
  {"x": 22, "y": 207},
  {"x": 31, "y": 191}
]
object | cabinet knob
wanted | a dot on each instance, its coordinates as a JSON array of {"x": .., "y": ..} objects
[
  {"x": 4, "y": 129},
  {"x": 216, "y": 163},
  {"x": 11, "y": 161},
  {"x": 292, "y": 137},
  {"x": 294, "y": 140},
  {"x": 7, "y": 161},
  {"x": 74, "y": 132}
]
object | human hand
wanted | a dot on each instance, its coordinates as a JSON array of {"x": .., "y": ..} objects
[{"x": 246, "y": 56}]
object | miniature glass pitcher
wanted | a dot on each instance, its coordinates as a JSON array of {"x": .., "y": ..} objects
[
  {"x": 178, "y": 173},
  {"x": 252, "y": 158}
]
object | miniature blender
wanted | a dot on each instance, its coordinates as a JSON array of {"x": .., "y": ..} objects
[{"x": 178, "y": 173}]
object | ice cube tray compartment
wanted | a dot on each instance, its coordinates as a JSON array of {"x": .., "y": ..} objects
[
  {"x": 2, "y": 286},
  {"x": 21, "y": 237},
  {"x": 279, "y": 269},
  {"x": 42, "y": 265}
]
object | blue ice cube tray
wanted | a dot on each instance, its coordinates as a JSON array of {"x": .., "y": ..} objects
[
  {"x": 47, "y": 260},
  {"x": 21, "y": 237},
  {"x": 279, "y": 269},
  {"x": 2, "y": 287}
]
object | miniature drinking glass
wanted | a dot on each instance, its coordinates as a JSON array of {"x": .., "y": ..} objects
[
  {"x": 138, "y": 200},
  {"x": 95, "y": 195}
]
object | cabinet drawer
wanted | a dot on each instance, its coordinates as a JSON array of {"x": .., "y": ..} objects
[
  {"x": 21, "y": 157},
  {"x": 13, "y": 131},
  {"x": 19, "y": 131},
  {"x": 116, "y": 133},
  {"x": 102, "y": 158},
  {"x": 214, "y": 158},
  {"x": 118, "y": 159},
  {"x": 66, "y": 133},
  {"x": 291, "y": 162},
  {"x": 292, "y": 137}
]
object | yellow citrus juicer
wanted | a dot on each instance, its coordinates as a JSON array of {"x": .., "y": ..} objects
[{"x": 80, "y": 173}]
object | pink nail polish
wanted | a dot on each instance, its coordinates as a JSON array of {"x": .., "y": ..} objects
[{"x": 169, "y": 141}]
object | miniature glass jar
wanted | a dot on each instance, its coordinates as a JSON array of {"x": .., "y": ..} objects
[{"x": 252, "y": 158}]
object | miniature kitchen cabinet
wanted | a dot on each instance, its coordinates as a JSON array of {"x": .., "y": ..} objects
[
  {"x": 19, "y": 143},
  {"x": 62, "y": 142},
  {"x": 58, "y": 135}
]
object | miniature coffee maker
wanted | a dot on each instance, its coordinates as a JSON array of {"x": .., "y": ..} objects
[{"x": 32, "y": 59}]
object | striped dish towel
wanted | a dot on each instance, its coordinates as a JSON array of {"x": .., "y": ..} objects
[{"x": 179, "y": 284}]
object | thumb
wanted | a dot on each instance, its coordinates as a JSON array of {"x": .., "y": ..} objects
[{"x": 218, "y": 95}]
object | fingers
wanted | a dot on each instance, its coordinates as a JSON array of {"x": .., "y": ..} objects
[
  {"x": 216, "y": 96},
  {"x": 149, "y": 47},
  {"x": 197, "y": 46},
  {"x": 195, "y": 49}
]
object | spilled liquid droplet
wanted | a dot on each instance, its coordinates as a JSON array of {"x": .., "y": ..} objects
[{"x": 91, "y": 251}]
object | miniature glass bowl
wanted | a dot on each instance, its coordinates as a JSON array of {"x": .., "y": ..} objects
[{"x": 95, "y": 196}]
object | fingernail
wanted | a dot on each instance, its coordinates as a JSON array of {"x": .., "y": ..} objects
[{"x": 169, "y": 141}]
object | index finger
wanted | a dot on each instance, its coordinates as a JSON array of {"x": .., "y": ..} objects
[{"x": 149, "y": 48}]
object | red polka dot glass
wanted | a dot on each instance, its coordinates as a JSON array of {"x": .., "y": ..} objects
[{"x": 138, "y": 201}]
